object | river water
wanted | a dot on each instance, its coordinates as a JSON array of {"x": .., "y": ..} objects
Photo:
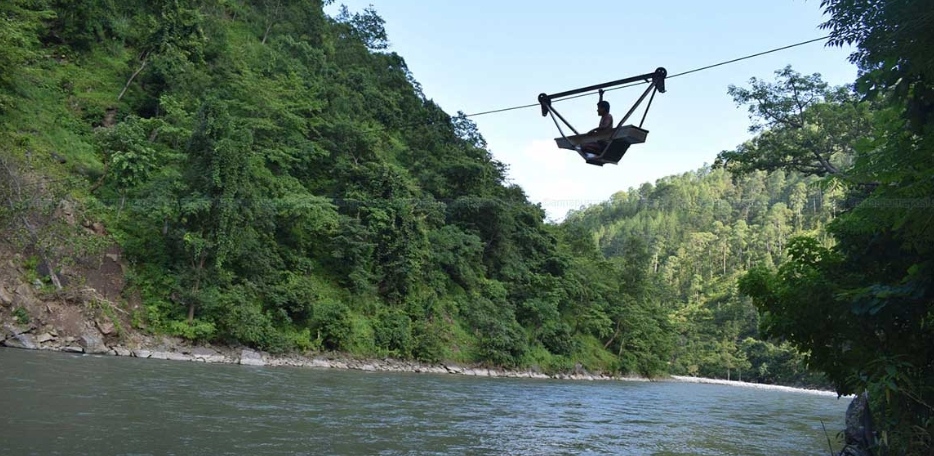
[{"x": 65, "y": 404}]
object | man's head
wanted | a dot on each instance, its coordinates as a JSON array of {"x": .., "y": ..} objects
[{"x": 603, "y": 107}]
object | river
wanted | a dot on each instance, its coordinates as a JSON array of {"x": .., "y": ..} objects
[{"x": 64, "y": 404}]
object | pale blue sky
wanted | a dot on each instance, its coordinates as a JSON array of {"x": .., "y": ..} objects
[{"x": 481, "y": 55}]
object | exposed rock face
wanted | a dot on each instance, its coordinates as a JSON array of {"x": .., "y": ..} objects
[
  {"x": 251, "y": 358},
  {"x": 66, "y": 212},
  {"x": 23, "y": 340},
  {"x": 320, "y": 363},
  {"x": 859, "y": 434},
  {"x": 173, "y": 356},
  {"x": 105, "y": 327},
  {"x": 208, "y": 355},
  {"x": 6, "y": 299},
  {"x": 44, "y": 270},
  {"x": 92, "y": 343},
  {"x": 23, "y": 295},
  {"x": 9, "y": 331},
  {"x": 158, "y": 354}
]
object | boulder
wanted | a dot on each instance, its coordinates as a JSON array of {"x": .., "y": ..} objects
[
  {"x": 92, "y": 343},
  {"x": 6, "y": 299},
  {"x": 105, "y": 328},
  {"x": 10, "y": 330},
  {"x": 175, "y": 356},
  {"x": 200, "y": 352},
  {"x": 58, "y": 158},
  {"x": 23, "y": 340},
  {"x": 44, "y": 337},
  {"x": 453, "y": 369},
  {"x": 23, "y": 295},
  {"x": 122, "y": 351},
  {"x": 858, "y": 434},
  {"x": 217, "y": 359},
  {"x": 207, "y": 355},
  {"x": 72, "y": 349},
  {"x": 321, "y": 363},
  {"x": 44, "y": 271},
  {"x": 251, "y": 358},
  {"x": 65, "y": 211}
]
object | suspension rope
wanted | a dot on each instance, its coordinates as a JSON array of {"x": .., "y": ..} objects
[{"x": 683, "y": 73}]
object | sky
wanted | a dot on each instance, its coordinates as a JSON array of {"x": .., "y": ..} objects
[{"x": 481, "y": 55}]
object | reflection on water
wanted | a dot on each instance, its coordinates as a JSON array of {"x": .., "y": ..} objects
[{"x": 62, "y": 404}]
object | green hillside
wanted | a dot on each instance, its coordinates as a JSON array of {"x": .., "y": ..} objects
[
  {"x": 698, "y": 233},
  {"x": 276, "y": 178}
]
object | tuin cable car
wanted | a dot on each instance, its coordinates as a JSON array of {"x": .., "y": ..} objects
[{"x": 610, "y": 144}]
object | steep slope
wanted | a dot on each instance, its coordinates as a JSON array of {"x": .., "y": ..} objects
[{"x": 275, "y": 177}]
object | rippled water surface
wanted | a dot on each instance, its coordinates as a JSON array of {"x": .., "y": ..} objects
[{"x": 63, "y": 404}]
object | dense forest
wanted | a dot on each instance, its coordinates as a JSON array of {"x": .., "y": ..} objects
[
  {"x": 695, "y": 234},
  {"x": 276, "y": 178}
]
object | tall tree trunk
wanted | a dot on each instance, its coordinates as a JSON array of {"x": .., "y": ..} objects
[
  {"x": 615, "y": 334},
  {"x": 266, "y": 33},
  {"x": 724, "y": 261}
]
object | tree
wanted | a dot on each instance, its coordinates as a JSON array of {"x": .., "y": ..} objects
[
  {"x": 893, "y": 42},
  {"x": 864, "y": 308},
  {"x": 798, "y": 199},
  {"x": 803, "y": 126},
  {"x": 217, "y": 207},
  {"x": 366, "y": 27},
  {"x": 129, "y": 156}
]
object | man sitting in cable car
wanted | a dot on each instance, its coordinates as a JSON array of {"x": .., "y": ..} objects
[{"x": 594, "y": 149}]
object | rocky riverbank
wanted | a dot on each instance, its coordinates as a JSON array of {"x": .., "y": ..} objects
[
  {"x": 93, "y": 314},
  {"x": 93, "y": 341}
]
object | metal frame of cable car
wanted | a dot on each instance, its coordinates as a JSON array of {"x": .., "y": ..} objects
[{"x": 615, "y": 141}]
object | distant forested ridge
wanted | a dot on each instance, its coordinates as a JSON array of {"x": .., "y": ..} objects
[{"x": 697, "y": 233}]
